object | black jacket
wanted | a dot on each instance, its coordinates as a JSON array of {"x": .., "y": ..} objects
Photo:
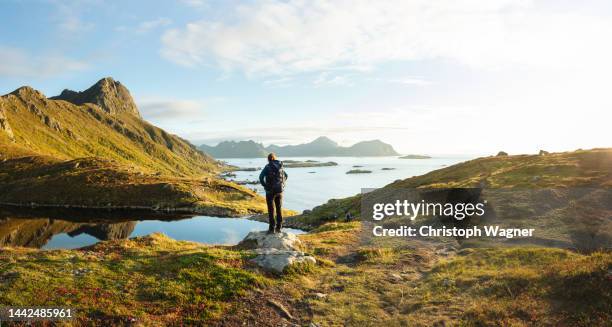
[{"x": 264, "y": 172}]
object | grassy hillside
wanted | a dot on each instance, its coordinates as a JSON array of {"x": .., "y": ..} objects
[
  {"x": 92, "y": 149},
  {"x": 65, "y": 130},
  {"x": 156, "y": 281},
  {"x": 578, "y": 169},
  {"x": 100, "y": 183},
  {"x": 150, "y": 281}
]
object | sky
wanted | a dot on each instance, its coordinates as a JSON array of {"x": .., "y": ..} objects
[{"x": 427, "y": 76}]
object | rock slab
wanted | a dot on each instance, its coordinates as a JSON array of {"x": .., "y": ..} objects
[
  {"x": 276, "y": 252},
  {"x": 263, "y": 240}
]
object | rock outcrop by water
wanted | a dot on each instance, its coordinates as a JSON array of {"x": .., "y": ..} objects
[{"x": 276, "y": 252}]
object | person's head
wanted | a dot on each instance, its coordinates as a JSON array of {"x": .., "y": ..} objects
[{"x": 271, "y": 157}]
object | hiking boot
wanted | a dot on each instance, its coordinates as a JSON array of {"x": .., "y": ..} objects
[
  {"x": 270, "y": 231},
  {"x": 277, "y": 229}
]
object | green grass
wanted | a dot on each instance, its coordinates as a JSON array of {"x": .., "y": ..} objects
[
  {"x": 159, "y": 281},
  {"x": 582, "y": 168},
  {"x": 404, "y": 286},
  {"x": 102, "y": 183},
  {"x": 526, "y": 286},
  {"x": 153, "y": 279}
]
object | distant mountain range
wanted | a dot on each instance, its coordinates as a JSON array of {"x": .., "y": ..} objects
[{"x": 320, "y": 147}]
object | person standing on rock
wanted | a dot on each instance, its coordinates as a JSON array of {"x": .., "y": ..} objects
[{"x": 273, "y": 178}]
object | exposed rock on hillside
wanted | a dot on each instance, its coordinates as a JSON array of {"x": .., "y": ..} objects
[
  {"x": 110, "y": 95},
  {"x": 281, "y": 241},
  {"x": 276, "y": 252},
  {"x": 277, "y": 261},
  {"x": 5, "y": 126}
]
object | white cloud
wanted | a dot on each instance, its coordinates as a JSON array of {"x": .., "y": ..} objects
[
  {"x": 148, "y": 25},
  {"x": 285, "y": 37},
  {"x": 16, "y": 62},
  {"x": 327, "y": 79},
  {"x": 160, "y": 108},
  {"x": 416, "y": 81},
  {"x": 70, "y": 19},
  {"x": 281, "y": 82}
]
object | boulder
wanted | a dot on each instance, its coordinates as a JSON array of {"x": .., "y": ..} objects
[
  {"x": 543, "y": 152},
  {"x": 263, "y": 240},
  {"x": 276, "y": 261},
  {"x": 275, "y": 252},
  {"x": 502, "y": 154}
]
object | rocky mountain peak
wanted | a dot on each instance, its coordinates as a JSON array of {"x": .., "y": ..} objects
[
  {"x": 107, "y": 93},
  {"x": 26, "y": 92}
]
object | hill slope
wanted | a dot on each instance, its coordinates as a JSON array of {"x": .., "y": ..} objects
[
  {"x": 101, "y": 122},
  {"x": 574, "y": 171},
  {"x": 91, "y": 148}
]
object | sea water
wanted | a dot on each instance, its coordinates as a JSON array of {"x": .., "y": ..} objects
[{"x": 312, "y": 186}]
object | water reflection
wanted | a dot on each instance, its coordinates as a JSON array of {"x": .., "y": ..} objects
[{"x": 64, "y": 228}]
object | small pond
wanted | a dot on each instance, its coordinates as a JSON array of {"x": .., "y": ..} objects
[{"x": 65, "y": 229}]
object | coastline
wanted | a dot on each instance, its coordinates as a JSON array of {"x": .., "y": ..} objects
[{"x": 214, "y": 212}]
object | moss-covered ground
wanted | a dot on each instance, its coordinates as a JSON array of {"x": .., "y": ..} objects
[{"x": 155, "y": 280}]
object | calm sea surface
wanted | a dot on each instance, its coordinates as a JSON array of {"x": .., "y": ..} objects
[{"x": 309, "y": 187}]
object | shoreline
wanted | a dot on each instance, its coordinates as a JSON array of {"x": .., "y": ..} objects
[{"x": 148, "y": 209}]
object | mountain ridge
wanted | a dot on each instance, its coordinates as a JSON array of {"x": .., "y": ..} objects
[
  {"x": 320, "y": 147},
  {"x": 102, "y": 121}
]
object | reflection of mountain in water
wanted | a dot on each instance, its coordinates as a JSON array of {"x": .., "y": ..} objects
[
  {"x": 37, "y": 232},
  {"x": 34, "y": 228}
]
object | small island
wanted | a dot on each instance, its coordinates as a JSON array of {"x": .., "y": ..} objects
[
  {"x": 247, "y": 169},
  {"x": 415, "y": 156},
  {"x": 359, "y": 171},
  {"x": 307, "y": 163},
  {"x": 246, "y": 182},
  {"x": 388, "y": 168}
]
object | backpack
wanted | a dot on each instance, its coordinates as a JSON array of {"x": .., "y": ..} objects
[{"x": 275, "y": 178}]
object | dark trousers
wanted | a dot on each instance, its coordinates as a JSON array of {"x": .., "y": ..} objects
[{"x": 275, "y": 200}]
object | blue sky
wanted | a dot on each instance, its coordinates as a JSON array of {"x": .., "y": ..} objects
[{"x": 472, "y": 76}]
